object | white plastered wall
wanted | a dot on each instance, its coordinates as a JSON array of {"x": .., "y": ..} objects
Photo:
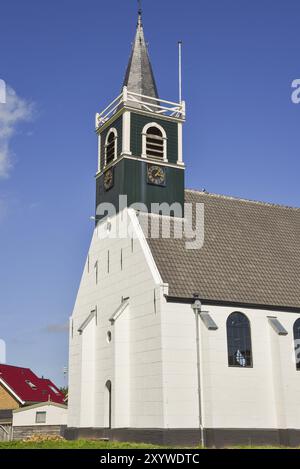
[
  {"x": 132, "y": 361},
  {"x": 264, "y": 396},
  {"x": 55, "y": 415}
]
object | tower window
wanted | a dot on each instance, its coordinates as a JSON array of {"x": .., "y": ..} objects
[
  {"x": 154, "y": 142},
  {"x": 111, "y": 146},
  {"x": 239, "y": 341}
]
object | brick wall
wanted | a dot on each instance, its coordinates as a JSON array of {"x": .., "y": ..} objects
[
  {"x": 6, "y": 400},
  {"x": 21, "y": 433}
]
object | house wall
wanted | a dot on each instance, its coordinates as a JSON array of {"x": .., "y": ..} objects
[
  {"x": 55, "y": 415},
  {"x": 6, "y": 400},
  {"x": 265, "y": 396},
  {"x": 24, "y": 432},
  {"x": 132, "y": 360}
]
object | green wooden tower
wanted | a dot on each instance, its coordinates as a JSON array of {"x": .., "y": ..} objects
[{"x": 140, "y": 140}]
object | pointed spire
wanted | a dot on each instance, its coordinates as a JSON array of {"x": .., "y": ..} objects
[
  {"x": 139, "y": 76},
  {"x": 140, "y": 8}
]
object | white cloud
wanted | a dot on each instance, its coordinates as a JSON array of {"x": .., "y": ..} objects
[
  {"x": 56, "y": 328},
  {"x": 14, "y": 111}
]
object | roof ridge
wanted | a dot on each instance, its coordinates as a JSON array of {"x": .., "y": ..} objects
[
  {"x": 241, "y": 199},
  {"x": 15, "y": 366}
]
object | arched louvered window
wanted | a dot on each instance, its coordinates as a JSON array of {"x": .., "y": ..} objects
[
  {"x": 239, "y": 340},
  {"x": 111, "y": 146},
  {"x": 154, "y": 142},
  {"x": 296, "y": 330}
]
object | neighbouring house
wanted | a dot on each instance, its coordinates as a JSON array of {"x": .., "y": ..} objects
[
  {"x": 20, "y": 387},
  {"x": 45, "y": 418}
]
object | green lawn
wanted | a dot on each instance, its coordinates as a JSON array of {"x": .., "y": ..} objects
[
  {"x": 78, "y": 444},
  {"x": 93, "y": 444}
]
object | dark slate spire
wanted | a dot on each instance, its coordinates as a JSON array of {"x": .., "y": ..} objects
[{"x": 139, "y": 76}]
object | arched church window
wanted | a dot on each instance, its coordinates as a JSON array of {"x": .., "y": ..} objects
[
  {"x": 108, "y": 404},
  {"x": 239, "y": 340},
  {"x": 111, "y": 146},
  {"x": 296, "y": 330},
  {"x": 154, "y": 142}
]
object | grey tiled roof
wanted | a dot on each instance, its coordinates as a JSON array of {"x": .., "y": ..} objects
[
  {"x": 139, "y": 76},
  {"x": 251, "y": 254}
]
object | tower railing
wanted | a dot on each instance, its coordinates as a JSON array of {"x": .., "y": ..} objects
[{"x": 142, "y": 102}]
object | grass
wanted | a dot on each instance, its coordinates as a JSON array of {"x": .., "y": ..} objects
[
  {"x": 40, "y": 441},
  {"x": 96, "y": 444},
  {"x": 78, "y": 444}
]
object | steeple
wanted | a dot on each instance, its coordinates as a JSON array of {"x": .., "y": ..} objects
[
  {"x": 139, "y": 76},
  {"x": 140, "y": 140}
]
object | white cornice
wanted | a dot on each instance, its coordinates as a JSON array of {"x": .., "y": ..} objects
[
  {"x": 119, "y": 311},
  {"x": 92, "y": 315}
]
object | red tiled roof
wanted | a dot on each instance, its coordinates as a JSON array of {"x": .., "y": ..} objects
[{"x": 28, "y": 387}]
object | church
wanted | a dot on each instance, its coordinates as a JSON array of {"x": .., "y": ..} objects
[{"x": 174, "y": 343}]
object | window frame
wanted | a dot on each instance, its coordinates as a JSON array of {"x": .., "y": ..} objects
[
  {"x": 107, "y": 143},
  {"x": 39, "y": 414},
  {"x": 144, "y": 142},
  {"x": 230, "y": 338},
  {"x": 31, "y": 384},
  {"x": 297, "y": 365},
  {"x": 53, "y": 389}
]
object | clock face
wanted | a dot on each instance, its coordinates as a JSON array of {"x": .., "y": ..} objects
[
  {"x": 108, "y": 179},
  {"x": 156, "y": 175}
]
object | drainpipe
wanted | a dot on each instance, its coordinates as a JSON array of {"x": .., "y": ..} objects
[{"x": 196, "y": 307}]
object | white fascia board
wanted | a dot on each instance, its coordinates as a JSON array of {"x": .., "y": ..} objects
[
  {"x": 145, "y": 247},
  {"x": 41, "y": 404},
  {"x": 11, "y": 391},
  {"x": 119, "y": 311}
]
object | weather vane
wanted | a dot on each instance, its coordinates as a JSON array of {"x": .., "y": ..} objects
[{"x": 140, "y": 6}]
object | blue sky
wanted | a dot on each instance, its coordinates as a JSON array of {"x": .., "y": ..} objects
[{"x": 66, "y": 60}]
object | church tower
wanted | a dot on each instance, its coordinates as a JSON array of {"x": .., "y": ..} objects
[{"x": 140, "y": 139}]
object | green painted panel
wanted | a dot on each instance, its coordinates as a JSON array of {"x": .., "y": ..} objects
[
  {"x": 130, "y": 178},
  {"x": 111, "y": 196},
  {"x": 139, "y": 121}
]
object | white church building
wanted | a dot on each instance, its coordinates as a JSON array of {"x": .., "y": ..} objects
[{"x": 172, "y": 343}]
